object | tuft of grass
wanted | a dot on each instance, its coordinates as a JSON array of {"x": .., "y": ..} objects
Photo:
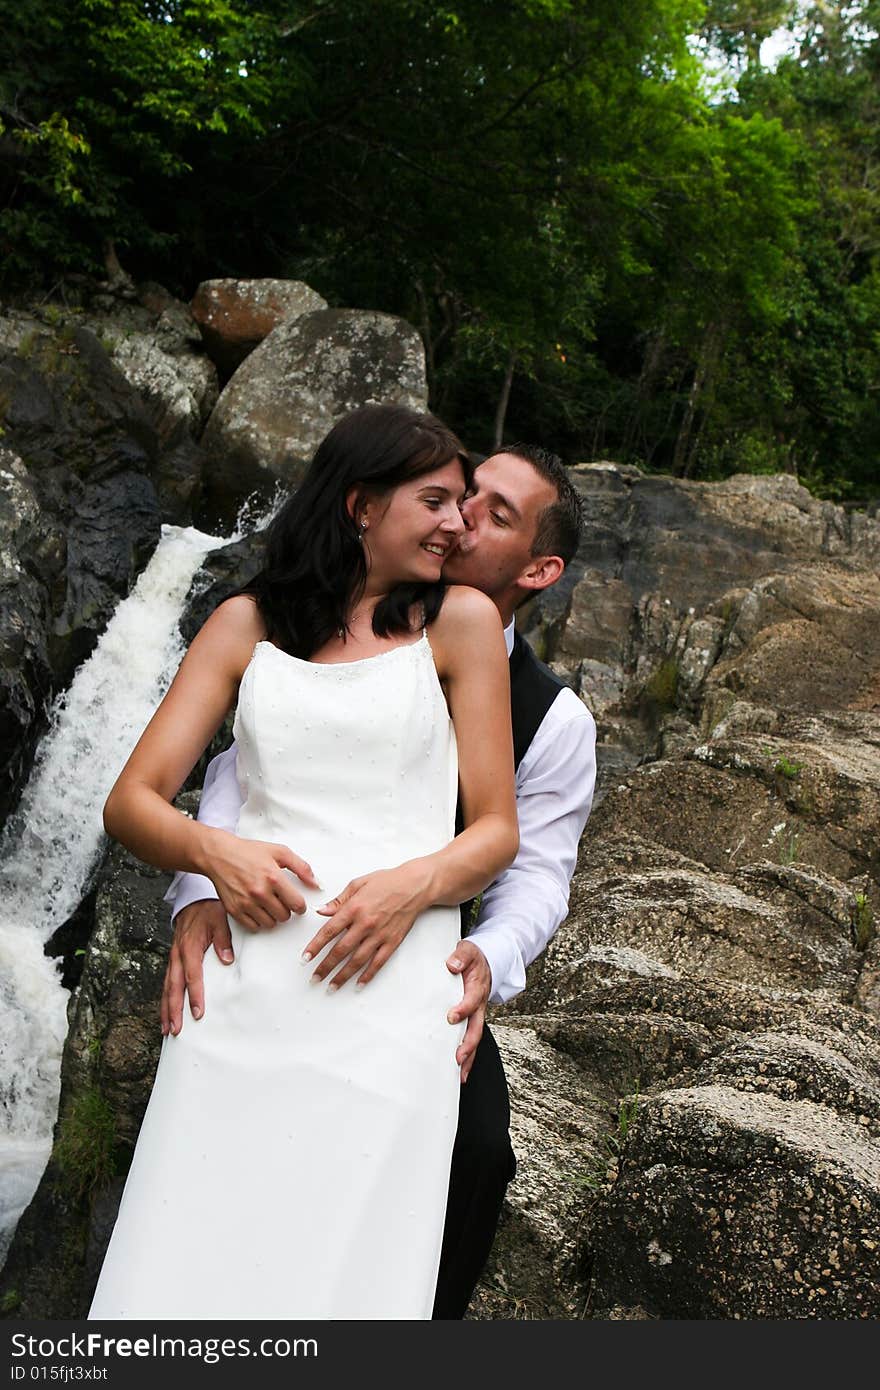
[
  {"x": 661, "y": 688},
  {"x": 785, "y": 767},
  {"x": 85, "y": 1149},
  {"x": 788, "y": 848},
  {"x": 597, "y": 1177},
  {"x": 863, "y": 929},
  {"x": 27, "y": 346},
  {"x": 626, "y": 1114},
  {"x": 10, "y": 1302}
]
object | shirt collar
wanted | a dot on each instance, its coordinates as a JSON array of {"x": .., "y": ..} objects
[{"x": 508, "y": 636}]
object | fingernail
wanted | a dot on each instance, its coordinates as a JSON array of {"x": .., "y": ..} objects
[
  {"x": 306, "y": 957},
  {"x": 316, "y": 979},
  {"x": 455, "y": 962},
  {"x": 196, "y": 1011},
  {"x": 452, "y": 1018},
  {"x": 331, "y": 988},
  {"x": 360, "y": 984},
  {"x": 226, "y": 956}
]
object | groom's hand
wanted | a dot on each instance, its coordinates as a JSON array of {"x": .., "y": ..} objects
[
  {"x": 196, "y": 927},
  {"x": 468, "y": 961}
]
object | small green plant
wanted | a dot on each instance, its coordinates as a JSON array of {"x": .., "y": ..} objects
[
  {"x": 788, "y": 848},
  {"x": 786, "y": 768},
  {"x": 626, "y": 1114},
  {"x": 11, "y": 1301},
  {"x": 597, "y": 1175},
  {"x": 85, "y": 1148},
  {"x": 52, "y": 315},
  {"x": 661, "y": 688},
  {"x": 863, "y": 929},
  {"x": 28, "y": 344}
]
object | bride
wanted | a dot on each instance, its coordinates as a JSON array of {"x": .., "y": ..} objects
[{"x": 312, "y": 1181}]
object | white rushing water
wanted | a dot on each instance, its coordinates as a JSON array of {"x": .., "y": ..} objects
[{"x": 50, "y": 847}]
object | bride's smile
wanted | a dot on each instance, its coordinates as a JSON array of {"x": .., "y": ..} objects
[{"x": 409, "y": 535}]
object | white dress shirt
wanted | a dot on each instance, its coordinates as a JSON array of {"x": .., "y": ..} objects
[{"x": 522, "y": 909}]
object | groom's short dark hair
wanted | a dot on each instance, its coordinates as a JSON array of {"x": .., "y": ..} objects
[{"x": 559, "y": 527}]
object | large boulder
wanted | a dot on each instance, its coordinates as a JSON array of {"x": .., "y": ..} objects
[
  {"x": 234, "y": 316},
  {"x": 736, "y": 1202},
  {"x": 287, "y": 394},
  {"x": 152, "y": 339},
  {"x": 156, "y": 344}
]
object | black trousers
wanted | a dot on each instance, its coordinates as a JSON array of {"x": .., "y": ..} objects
[{"x": 482, "y": 1165}]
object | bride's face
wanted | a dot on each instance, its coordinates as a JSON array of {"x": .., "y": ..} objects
[{"x": 410, "y": 532}]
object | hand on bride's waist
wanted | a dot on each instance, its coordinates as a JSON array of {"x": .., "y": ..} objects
[{"x": 251, "y": 881}]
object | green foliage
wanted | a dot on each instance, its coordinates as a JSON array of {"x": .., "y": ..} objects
[
  {"x": 597, "y": 1176},
  {"x": 603, "y": 246},
  {"x": 661, "y": 688},
  {"x": 788, "y": 849},
  {"x": 863, "y": 927},
  {"x": 786, "y": 767},
  {"x": 85, "y": 1146},
  {"x": 10, "y": 1302}
]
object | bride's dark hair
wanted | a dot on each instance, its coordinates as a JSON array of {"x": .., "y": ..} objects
[{"x": 315, "y": 567}]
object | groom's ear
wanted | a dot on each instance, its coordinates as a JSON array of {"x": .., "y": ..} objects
[{"x": 540, "y": 573}]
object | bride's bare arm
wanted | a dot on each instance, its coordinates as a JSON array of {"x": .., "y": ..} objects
[
  {"x": 247, "y": 873},
  {"x": 374, "y": 913}
]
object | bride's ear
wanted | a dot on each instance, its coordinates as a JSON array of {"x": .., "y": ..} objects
[{"x": 360, "y": 507}]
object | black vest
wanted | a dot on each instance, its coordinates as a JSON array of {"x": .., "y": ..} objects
[{"x": 533, "y": 688}]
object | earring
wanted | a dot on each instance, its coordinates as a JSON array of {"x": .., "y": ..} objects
[{"x": 361, "y": 529}]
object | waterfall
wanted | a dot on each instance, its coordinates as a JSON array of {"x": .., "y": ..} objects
[{"x": 50, "y": 847}]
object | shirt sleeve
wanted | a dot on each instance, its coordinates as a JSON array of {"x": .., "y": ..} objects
[
  {"x": 220, "y": 806},
  {"x": 522, "y": 909}
]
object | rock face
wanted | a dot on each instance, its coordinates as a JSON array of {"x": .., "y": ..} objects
[
  {"x": 284, "y": 398},
  {"x": 81, "y": 514},
  {"x": 695, "y": 1064},
  {"x": 31, "y": 551},
  {"x": 152, "y": 339},
  {"x": 717, "y": 980},
  {"x": 234, "y": 316},
  {"x": 109, "y": 1061}
]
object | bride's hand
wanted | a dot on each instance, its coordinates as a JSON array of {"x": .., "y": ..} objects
[
  {"x": 250, "y": 879},
  {"x": 369, "y": 918}
]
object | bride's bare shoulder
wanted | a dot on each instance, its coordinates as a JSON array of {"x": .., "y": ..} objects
[
  {"x": 467, "y": 622},
  {"x": 233, "y": 630}
]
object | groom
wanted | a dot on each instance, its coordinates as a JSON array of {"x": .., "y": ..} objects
[{"x": 523, "y": 524}]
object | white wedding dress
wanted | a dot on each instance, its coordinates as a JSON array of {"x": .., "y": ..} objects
[{"x": 294, "y": 1158}]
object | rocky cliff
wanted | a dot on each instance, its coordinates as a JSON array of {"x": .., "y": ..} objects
[{"x": 694, "y": 1066}]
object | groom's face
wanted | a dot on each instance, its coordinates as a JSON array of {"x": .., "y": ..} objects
[{"x": 501, "y": 515}]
